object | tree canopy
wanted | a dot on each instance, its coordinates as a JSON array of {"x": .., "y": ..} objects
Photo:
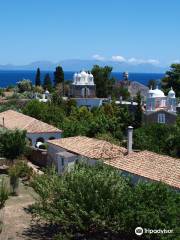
[
  {"x": 160, "y": 138},
  {"x": 58, "y": 75},
  {"x": 172, "y": 79},
  {"x": 24, "y": 85},
  {"x": 103, "y": 80},
  {"x": 47, "y": 82},
  {"x": 108, "y": 119},
  {"x": 38, "y": 78}
]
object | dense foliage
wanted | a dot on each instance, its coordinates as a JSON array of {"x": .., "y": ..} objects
[
  {"x": 96, "y": 200},
  {"x": 172, "y": 79},
  {"x": 47, "y": 82},
  {"x": 12, "y": 143},
  {"x": 24, "y": 85},
  {"x": 103, "y": 80},
  {"x": 160, "y": 138},
  {"x": 108, "y": 119},
  {"x": 58, "y": 75}
]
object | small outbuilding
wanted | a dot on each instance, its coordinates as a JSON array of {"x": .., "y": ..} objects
[{"x": 139, "y": 165}]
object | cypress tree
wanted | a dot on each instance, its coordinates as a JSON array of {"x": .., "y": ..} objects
[
  {"x": 47, "y": 82},
  {"x": 59, "y": 75},
  {"x": 38, "y": 78}
]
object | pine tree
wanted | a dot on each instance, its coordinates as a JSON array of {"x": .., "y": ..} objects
[
  {"x": 59, "y": 75},
  {"x": 38, "y": 78},
  {"x": 47, "y": 82}
]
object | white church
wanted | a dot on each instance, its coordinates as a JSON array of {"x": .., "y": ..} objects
[
  {"x": 83, "y": 85},
  {"x": 160, "y": 108}
]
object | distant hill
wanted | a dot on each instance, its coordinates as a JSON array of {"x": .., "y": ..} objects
[{"x": 77, "y": 65}]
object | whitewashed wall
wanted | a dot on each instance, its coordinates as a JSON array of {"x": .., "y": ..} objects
[{"x": 45, "y": 136}]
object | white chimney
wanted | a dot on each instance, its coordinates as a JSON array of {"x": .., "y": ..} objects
[
  {"x": 120, "y": 99},
  {"x": 130, "y": 139}
]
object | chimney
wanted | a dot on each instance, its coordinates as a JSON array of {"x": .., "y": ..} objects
[
  {"x": 130, "y": 139},
  {"x": 132, "y": 101},
  {"x": 120, "y": 99}
]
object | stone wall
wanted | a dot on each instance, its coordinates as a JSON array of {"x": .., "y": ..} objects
[{"x": 38, "y": 157}]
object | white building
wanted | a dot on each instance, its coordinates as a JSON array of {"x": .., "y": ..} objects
[
  {"x": 139, "y": 165},
  {"x": 83, "y": 85},
  {"x": 160, "y": 108},
  {"x": 36, "y": 131}
]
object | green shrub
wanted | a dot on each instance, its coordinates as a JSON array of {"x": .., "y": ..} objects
[
  {"x": 97, "y": 200},
  {"x": 24, "y": 85},
  {"x": 12, "y": 143},
  {"x": 23, "y": 169},
  {"x": 20, "y": 169},
  {"x": 14, "y": 179},
  {"x": 3, "y": 193}
]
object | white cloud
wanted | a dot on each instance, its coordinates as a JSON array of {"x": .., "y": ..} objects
[
  {"x": 118, "y": 58},
  {"x": 141, "y": 61},
  {"x": 132, "y": 60},
  {"x": 98, "y": 57},
  {"x": 153, "y": 61}
]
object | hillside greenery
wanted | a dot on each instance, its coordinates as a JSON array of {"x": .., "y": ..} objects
[
  {"x": 172, "y": 79},
  {"x": 97, "y": 203},
  {"x": 163, "y": 139}
]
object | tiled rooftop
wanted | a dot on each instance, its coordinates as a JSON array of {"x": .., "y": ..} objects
[
  {"x": 90, "y": 147},
  {"x": 144, "y": 163},
  {"x": 13, "y": 120},
  {"x": 150, "y": 165}
]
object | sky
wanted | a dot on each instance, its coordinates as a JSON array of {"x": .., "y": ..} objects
[{"x": 133, "y": 31}]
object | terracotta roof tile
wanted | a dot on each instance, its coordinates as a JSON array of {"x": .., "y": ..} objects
[
  {"x": 13, "y": 120},
  {"x": 144, "y": 163},
  {"x": 150, "y": 165},
  {"x": 90, "y": 147}
]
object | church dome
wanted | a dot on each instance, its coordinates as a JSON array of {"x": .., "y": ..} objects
[
  {"x": 78, "y": 75},
  {"x": 171, "y": 93},
  {"x": 83, "y": 74},
  {"x": 158, "y": 93}
]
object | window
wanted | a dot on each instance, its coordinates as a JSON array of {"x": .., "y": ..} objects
[{"x": 161, "y": 118}]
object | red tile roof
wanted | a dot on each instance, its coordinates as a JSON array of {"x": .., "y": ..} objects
[
  {"x": 144, "y": 163},
  {"x": 13, "y": 120},
  {"x": 89, "y": 147},
  {"x": 150, "y": 165}
]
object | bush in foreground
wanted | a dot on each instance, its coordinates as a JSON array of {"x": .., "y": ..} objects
[
  {"x": 12, "y": 143},
  {"x": 94, "y": 201}
]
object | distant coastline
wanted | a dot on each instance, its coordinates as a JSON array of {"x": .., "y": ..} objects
[{"x": 10, "y": 77}]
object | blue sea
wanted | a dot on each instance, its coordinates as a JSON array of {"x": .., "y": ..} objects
[{"x": 10, "y": 77}]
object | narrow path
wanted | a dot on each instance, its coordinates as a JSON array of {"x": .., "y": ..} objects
[{"x": 16, "y": 219}]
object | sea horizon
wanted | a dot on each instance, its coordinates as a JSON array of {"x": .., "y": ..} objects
[{"x": 11, "y": 77}]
